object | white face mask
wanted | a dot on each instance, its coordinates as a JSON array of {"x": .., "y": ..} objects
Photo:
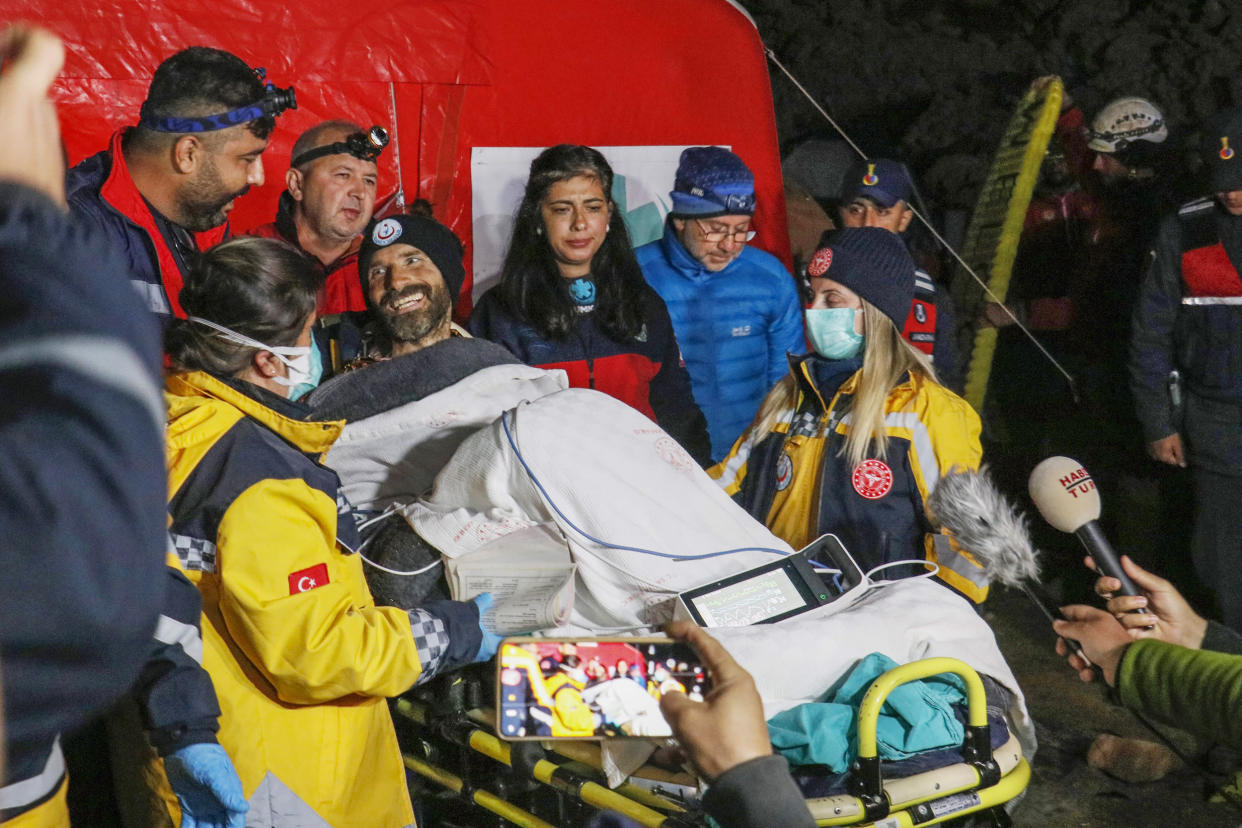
[{"x": 297, "y": 358}]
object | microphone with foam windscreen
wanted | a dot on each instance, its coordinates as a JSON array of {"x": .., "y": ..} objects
[
  {"x": 973, "y": 512},
  {"x": 1066, "y": 496}
]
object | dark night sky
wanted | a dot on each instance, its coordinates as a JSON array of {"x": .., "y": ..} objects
[{"x": 934, "y": 81}]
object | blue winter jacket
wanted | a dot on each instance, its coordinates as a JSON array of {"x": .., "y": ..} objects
[{"x": 734, "y": 327}]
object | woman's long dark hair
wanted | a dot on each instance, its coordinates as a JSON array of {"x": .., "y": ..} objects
[
  {"x": 262, "y": 288},
  {"x": 531, "y": 286}
]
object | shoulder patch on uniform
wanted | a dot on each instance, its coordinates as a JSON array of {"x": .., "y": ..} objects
[{"x": 304, "y": 580}]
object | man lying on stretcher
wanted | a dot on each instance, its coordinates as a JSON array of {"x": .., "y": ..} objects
[{"x": 574, "y": 481}]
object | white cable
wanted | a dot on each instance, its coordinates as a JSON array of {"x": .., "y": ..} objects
[
  {"x": 390, "y": 509},
  {"x": 939, "y": 238},
  {"x": 383, "y": 568},
  {"x": 930, "y": 573}
]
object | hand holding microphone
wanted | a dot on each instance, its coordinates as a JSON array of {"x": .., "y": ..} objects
[
  {"x": 1066, "y": 496},
  {"x": 1175, "y": 621}
]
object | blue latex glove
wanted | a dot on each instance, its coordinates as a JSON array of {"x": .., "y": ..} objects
[
  {"x": 207, "y": 787},
  {"x": 490, "y": 641}
]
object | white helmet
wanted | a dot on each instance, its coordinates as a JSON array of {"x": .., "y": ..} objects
[{"x": 1123, "y": 122}]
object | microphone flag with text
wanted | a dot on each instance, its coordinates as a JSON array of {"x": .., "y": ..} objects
[{"x": 1066, "y": 496}]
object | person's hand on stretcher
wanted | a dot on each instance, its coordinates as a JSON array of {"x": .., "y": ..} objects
[
  {"x": 725, "y": 738},
  {"x": 727, "y": 728}
]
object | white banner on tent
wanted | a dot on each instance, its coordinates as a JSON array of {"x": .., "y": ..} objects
[{"x": 643, "y": 178}]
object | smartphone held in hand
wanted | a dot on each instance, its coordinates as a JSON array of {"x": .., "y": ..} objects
[{"x": 592, "y": 688}]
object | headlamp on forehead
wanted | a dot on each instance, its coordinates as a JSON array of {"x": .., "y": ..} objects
[
  {"x": 740, "y": 203},
  {"x": 273, "y": 102},
  {"x": 366, "y": 146}
]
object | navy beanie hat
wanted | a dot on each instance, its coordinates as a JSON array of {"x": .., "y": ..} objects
[
  {"x": 710, "y": 182},
  {"x": 872, "y": 262},
  {"x": 427, "y": 234}
]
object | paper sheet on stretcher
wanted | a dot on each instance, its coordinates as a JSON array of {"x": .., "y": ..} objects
[{"x": 529, "y": 574}]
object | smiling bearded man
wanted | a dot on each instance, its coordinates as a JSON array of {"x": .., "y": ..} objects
[
  {"x": 419, "y": 387},
  {"x": 411, "y": 272}
]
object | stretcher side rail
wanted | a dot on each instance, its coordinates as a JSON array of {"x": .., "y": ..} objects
[{"x": 453, "y": 711}]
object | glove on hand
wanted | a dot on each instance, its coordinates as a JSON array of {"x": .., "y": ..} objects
[
  {"x": 490, "y": 641},
  {"x": 207, "y": 787}
]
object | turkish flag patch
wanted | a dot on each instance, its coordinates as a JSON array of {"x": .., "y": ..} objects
[{"x": 305, "y": 580}]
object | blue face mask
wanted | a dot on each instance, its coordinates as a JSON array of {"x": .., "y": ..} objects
[
  {"x": 314, "y": 373},
  {"x": 831, "y": 331}
]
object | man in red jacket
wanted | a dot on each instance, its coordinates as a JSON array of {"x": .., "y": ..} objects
[
  {"x": 329, "y": 198},
  {"x": 163, "y": 189}
]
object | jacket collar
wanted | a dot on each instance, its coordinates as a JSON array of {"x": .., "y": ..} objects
[
  {"x": 311, "y": 437},
  {"x": 287, "y": 228},
  {"x": 682, "y": 262},
  {"x": 120, "y": 193},
  {"x": 802, "y": 368}
]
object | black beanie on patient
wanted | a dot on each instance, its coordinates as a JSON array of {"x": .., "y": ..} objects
[
  {"x": 427, "y": 234},
  {"x": 872, "y": 262}
]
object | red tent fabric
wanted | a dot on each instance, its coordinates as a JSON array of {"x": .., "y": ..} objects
[{"x": 445, "y": 76}]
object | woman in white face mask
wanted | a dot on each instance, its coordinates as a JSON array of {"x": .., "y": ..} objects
[
  {"x": 855, "y": 438},
  {"x": 300, "y": 656}
]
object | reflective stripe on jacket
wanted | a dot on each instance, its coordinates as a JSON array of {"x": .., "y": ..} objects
[
  {"x": 301, "y": 657},
  {"x": 877, "y": 508}
]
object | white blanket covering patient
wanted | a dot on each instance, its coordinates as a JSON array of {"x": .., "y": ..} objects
[{"x": 618, "y": 479}]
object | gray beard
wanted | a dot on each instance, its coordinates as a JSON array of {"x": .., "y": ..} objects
[{"x": 417, "y": 325}]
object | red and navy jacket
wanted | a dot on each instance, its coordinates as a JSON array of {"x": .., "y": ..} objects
[
  {"x": 929, "y": 326},
  {"x": 1189, "y": 315},
  {"x": 341, "y": 290},
  {"x": 100, "y": 191},
  {"x": 646, "y": 373},
  {"x": 88, "y": 605}
]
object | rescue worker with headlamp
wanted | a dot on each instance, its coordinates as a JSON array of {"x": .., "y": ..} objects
[
  {"x": 163, "y": 189},
  {"x": 329, "y": 198}
]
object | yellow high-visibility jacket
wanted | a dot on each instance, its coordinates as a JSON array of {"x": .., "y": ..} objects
[
  {"x": 301, "y": 658},
  {"x": 794, "y": 480}
]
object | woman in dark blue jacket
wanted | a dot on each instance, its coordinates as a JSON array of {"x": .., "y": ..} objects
[{"x": 571, "y": 297}]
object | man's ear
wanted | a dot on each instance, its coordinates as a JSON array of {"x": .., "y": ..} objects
[
  {"x": 293, "y": 183},
  {"x": 188, "y": 153},
  {"x": 906, "y": 215},
  {"x": 679, "y": 225},
  {"x": 267, "y": 364}
]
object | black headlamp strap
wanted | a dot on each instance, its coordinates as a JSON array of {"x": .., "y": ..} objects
[
  {"x": 339, "y": 148},
  {"x": 366, "y": 146}
]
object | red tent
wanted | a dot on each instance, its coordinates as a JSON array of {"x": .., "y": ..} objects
[{"x": 445, "y": 76}]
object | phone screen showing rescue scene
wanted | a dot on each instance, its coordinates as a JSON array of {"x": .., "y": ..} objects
[{"x": 592, "y": 688}]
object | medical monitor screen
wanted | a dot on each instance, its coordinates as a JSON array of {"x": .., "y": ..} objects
[{"x": 751, "y": 601}]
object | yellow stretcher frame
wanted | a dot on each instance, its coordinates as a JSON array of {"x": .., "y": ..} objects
[{"x": 950, "y": 792}]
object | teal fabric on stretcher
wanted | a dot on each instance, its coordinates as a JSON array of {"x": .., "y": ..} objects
[{"x": 916, "y": 717}]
